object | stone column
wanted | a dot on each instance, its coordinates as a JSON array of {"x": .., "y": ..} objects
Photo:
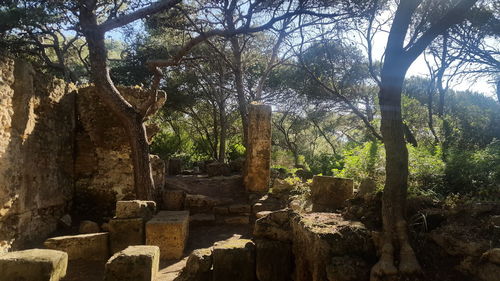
[{"x": 258, "y": 157}]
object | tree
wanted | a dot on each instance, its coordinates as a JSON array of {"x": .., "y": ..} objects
[{"x": 399, "y": 55}]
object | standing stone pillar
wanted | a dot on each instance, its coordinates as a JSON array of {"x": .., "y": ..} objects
[{"x": 258, "y": 156}]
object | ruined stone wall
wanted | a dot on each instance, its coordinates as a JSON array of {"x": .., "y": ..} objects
[
  {"x": 103, "y": 168},
  {"x": 36, "y": 153}
]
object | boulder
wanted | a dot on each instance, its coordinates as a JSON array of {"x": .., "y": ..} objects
[
  {"x": 125, "y": 232},
  {"x": 329, "y": 193},
  {"x": 198, "y": 266},
  {"x": 218, "y": 169},
  {"x": 135, "y": 263},
  {"x": 274, "y": 260},
  {"x": 173, "y": 200},
  {"x": 135, "y": 209},
  {"x": 234, "y": 260},
  {"x": 84, "y": 246},
  {"x": 169, "y": 231},
  {"x": 87, "y": 227},
  {"x": 274, "y": 226},
  {"x": 33, "y": 265}
]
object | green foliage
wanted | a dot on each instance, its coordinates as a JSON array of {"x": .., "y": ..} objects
[
  {"x": 236, "y": 151},
  {"x": 325, "y": 163}
]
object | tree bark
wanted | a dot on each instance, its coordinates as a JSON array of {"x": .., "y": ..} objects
[
  {"x": 240, "y": 90},
  {"x": 129, "y": 117},
  {"x": 223, "y": 132}
]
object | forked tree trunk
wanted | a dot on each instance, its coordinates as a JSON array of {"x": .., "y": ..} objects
[{"x": 128, "y": 116}]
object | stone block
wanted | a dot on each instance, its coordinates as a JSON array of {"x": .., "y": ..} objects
[
  {"x": 218, "y": 169},
  {"x": 275, "y": 226},
  {"x": 125, "y": 232},
  {"x": 234, "y": 260},
  {"x": 239, "y": 208},
  {"x": 367, "y": 186},
  {"x": 33, "y": 265},
  {"x": 329, "y": 193},
  {"x": 273, "y": 260},
  {"x": 169, "y": 231},
  {"x": 87, "y": 227},
  {"x": 135, "y": 263},
  {"x": 84, "y": 246},
  {"x": 221, "y": 210},
  {"x": 173, "y": 200},
  {"x": 198, "y": 266},
  {"x": 135, "y": 209}
]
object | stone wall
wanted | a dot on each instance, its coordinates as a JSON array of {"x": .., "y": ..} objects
[
  {"x": 103, "y": 168},
  {"x": 36, "y": 153}
]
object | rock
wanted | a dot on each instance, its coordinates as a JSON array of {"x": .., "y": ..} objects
[
  {"x": 87, "y": 227},
  {"x": 481, "y": 270},
  {"x": 221, "y": 210},
  {"x": 456, "y": 246},
  {"x": 274, "y": 226},
  {"x": 65, "y": 221},
  {"x": 218, "y": 169},
  {"x": 33, "y": 265},
  {"x": 280, "y": 185},
  {"x": 198, "y": 266},
  {"x": 259, "y": 207},
  {"x": 234, "y": 260},
  {"x": 135, "y": 263},
  {"x": 200, "y": 203},
  {"x": 495, "y": 220},
  {"x": 125, "y": 232},
  {"x": 262, "y": 214},
  {"x": 237, "y": 220},
  {"x": 169, "y": 231},
  {"x": 274, "y": 260},
  {"x": 202, "y": 219},
  {"x": 239, "y": 208},
  {"x": 173, "y": 200},
  {"x": 258, "y": 154},
  {"x": 329, "y": 193},
  {"x": 367, "y": 186},
  {"x": 174, "y": 166},
  {"x": 347, "y": 268},
  {"x": 84, "y": 246},
  {"x": 492, "y": 256},
  {"x": 320, "y": 236},
  {"x": 135, "y": 209}
]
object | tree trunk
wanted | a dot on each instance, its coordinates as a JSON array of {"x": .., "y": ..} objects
[
  {"x": 240, "y": 91},
  {"x": 129, "y": 117},
  {"x": 223, "y": 132}
]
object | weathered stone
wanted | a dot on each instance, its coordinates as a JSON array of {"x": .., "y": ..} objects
[
  {"x": 173, "y": 200},
  {"x": 33, "y": 265},
  {"x": 202, "y": 219},
  {"x": 36, "y": 152},
  {"x": 221, "y": 210},
  {"x": 237, "y": 220},
  {"x": 480, "y": 269},
  {"x": 87, "y": 227},
  {"x": 258, "y": 156},
  {"x": 317, "y": 237},
  {"x": 239, "y": 208},
  {"x": 274, "y": 260},
  {"x": 329, "y": 193},
  {"x": 280, "y": 185},
  {"x": 66, "y": 221},
  {"x": 457, "y": 245},
  {"x": 198, "y": 266},
  {"x": 347, "y": 268},
  {"x": 218, "y": 169},
  {"x": 262, "y": 214},
  {"x": 259, "y": 207},
  {"x": 234, "y": 260},
  {"x": 495, "y": 220},
  {"x": 200, "y": 203},
  {"x": 492, "y": 256},
  {"x": 105, "y": 227},
  {"x": 367, "y": 186},
  {"x": 135, "y": 263},
  {"x": 169, "y": 231},
  {"x": 274, "y": 226},
  {"x": 135, "y": 209},
  {"x": 174, "y": 166},
  {"x": 125, "y": 232},
  {"x": 84, "y": 246}
]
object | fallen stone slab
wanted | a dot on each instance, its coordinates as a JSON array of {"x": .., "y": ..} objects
[
  {"x": 135, "y": 263},
  {"x": 33, "y": 265},
  {"x": 135, "y": 209},
  {"x": 84, "y": 246},
  {"x": 234, "y": 260},
  {"x": 169, "y": 231},
  {"x": 125, "y": 232}
]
